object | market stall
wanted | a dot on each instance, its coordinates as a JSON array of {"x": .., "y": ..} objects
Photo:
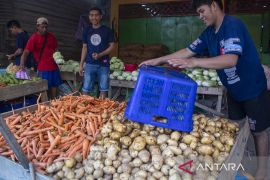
[
  {"x": 13, "y": 87},
  {"x": 104, "y": 158},
  {"x": 13, "y": 92},
  {"x": 69, "y": 71}
]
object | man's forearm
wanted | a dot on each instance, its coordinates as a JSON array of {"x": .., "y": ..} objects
[
  {"x": 107, "y": 51},
  {"x": 183, "y": 53},
  {"x": 17, "y": 52},
  {"x": 24, "y": 57},
  {"x": 219, "y": 62},
  {"x": 83, "y": 54}
]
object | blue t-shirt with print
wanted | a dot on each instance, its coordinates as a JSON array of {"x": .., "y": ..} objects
[
  {"x": 97, "y": 40},
  {"x": 21, "y": 41},
  {"x": 246, "y": 80}
]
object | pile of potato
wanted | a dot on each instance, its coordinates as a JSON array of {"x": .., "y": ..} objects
[{"x": 131, "y": 150}]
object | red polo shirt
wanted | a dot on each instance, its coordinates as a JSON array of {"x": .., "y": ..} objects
[{"x": 35, "y": 44}]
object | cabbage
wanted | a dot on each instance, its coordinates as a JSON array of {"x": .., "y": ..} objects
[
  {"x": 126, "y": 74},
  {"x": 129, "y": 78},
  {"x": 205, "y": 72},
  {"x": 120, "y": 78},
  {"x": 213, "y": 79},
  {"x": 135, "y": 73},
  {"x": 209, "y": 83},
  {"x": 212, "y": 73},
  {"x": 206, "y": 78},
  {"x": 203, "y": 77},
  {"x": 134, "y": 78},
  {"x": 57, "y": 55},
  {"x": 112, "y": 76},
  {"x": 199, "y": 82},
  {"x": 197, "y": 72},
  {"x": 117, "y": 73},
  {"x": 116, "y": 64},
  {"x": 190, "y": 75},
  {"x": 59, "y": 61}
]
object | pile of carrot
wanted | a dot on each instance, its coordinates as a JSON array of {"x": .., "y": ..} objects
[{"x": 59, "y": 130}]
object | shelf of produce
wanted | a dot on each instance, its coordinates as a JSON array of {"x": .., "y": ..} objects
[
  {"x": 20, "y": 90},
  {"x": 72, "y": 79},
  {"x": 215, "y": 91}
]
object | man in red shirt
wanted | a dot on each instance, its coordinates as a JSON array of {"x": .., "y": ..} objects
[{"x": 43, "y": 44}]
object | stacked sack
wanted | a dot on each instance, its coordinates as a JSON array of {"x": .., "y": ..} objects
[{"x": 137, "y": 53}]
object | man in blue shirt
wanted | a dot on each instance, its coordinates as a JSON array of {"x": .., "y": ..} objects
[
  {"x": 232, "y": 53},
  {"x": 98, "y": 42},
  {"x": 21, "y": 40}
]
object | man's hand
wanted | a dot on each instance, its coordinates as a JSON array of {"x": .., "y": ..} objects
[
  {"x": 150, "y": 62},
  {"x": 81, "y": 70},
  {"x": 183, "y": 63},
  {"x": 95, "y": 56},
  {"x": 10, "y": 56}
]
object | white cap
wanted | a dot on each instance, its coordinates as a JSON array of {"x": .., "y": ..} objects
[{"x": 42, "y": 20}]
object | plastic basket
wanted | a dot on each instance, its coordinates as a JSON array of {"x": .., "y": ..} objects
[{"x": 163, "y": 94}]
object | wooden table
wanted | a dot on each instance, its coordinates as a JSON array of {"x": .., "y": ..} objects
[
  {"x": 215, "y": 91},
  {"x": 21, "y": 90},
  {"x": 72, "y": 79}
]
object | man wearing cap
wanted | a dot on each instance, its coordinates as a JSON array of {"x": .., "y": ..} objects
[{"x": 43, "y": 44}]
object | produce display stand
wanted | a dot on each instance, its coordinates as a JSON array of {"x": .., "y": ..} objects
[
  {"x": 72, "y": 79},
  {"x": 215, "y": 91},
  {"x": 11, "y": 169},
  {"x": 8, "y": 167},
  {"x": 16, "y": 91}
]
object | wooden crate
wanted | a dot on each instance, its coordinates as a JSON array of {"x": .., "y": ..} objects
[
  {"x": 20, "y": 90},
  {"x": 73, "y": 79},
  {"x": 236, "y": 154}
]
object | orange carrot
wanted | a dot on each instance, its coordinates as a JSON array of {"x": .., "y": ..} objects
[
  {"x": 50, "y": 137},
  {"x": 85, "y": 148},
  {"x": 40, "y": 137},
  {"x": 53, "y": 144},
  {"x": 74, "y": 150},
  {"x": 15, "y": 121},
  {"x": 84, "y": 135},
  {"x": 46, "y": 116},
  {"x": 40, "y": 152},
  {"x": 62, "y": 118},
  {"x": 27, "y": 133},
  {"x": 34, "y": 147},
  {"x": 54, "y": 115},
  {"x": 38, "y": 99}
]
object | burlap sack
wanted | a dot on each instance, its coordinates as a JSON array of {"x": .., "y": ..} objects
[
  {"x": 132, "y": 46},
  {"x": 155, "y": 47}
]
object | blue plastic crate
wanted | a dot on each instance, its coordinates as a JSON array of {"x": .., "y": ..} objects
[{"x": 160, "y": 92}]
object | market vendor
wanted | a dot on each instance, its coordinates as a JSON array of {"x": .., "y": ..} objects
[
  {"x": 98, "y": 43},
  {"x": 43, "y": 44},
  {"x": 234, "y": 56},
  {"x": 22, "y": 37}
]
